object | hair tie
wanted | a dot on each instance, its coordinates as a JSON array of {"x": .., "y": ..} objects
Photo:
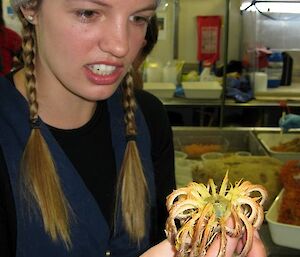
[
  {"x": 130, "y": 138},
  {"x": 35, "y": 123}
]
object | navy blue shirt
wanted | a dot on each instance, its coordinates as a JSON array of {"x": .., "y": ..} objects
[{"x": 90, "y": 150}]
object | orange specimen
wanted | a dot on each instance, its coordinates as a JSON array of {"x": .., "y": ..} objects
[
  {"x": 289, "y": 211},
  {"x": 195, "y": 150}
]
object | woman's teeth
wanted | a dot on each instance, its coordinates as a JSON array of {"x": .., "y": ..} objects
[{"x": 102, "y": 69}]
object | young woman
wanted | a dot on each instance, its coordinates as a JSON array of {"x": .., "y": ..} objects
[{"x": 85, "y": 161}]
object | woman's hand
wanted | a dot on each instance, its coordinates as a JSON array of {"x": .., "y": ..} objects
[
  {"x": 257, "y": 250},
  {"x": 234, "y": 245},
  {"x": 163, "y": 249},
  {"x": 289, "y": 121}
]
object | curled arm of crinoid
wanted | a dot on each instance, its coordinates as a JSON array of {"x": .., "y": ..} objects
[
  {"x": 224, "y": 185},
  {"x": 198, "y": 190},
  {"x": 262, "y": 191},
  {"x": 249, "y": 230},
  {"x": 236, "y": 229},
  {"x": 174, "y": 196},
  {"x": 213, "y": 187}
]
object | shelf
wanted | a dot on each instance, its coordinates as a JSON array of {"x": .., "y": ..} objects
[
  {"x": 291, "y": 92},
  {"x": 268, "y": 102}
]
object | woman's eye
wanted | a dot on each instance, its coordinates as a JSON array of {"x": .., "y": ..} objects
[
  {"x": 140, "y": 20},
  {"x": 86, "y": 15}
]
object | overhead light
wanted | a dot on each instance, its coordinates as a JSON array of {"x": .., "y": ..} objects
[
  {"x": 271, "y": 7},
  {"x": 163, "y": 5}
]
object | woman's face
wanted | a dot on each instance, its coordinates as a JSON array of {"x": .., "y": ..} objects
[{"x": 87, "y": 46}]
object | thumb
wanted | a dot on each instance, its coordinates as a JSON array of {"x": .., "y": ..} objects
[{"x": 229, "y": 250}]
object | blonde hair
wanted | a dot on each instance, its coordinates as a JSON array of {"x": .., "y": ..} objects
[
  {"x": 132, "y": 186},
  {"x": 39, "y": 178}
]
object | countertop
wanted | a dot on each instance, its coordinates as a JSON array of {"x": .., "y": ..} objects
[
  {"x": 291, "y": 92},
  {"x": 182, "y": 101}
]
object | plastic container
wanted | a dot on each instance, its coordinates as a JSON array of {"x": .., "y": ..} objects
[
  {"x": 202, "y": 89},
  {"x": 170, "y": 74},
  {"x": 243, "y": 153},
  {"x": 183, "y": 171},
  {"x": 196, "y": 146},
  {"x": 275, "y": 68},
  {"x": 153, "y": 71},
  {"x": 180, "y": 155},
  {"x": 205, "y": 74},
  {"x": 270, "y": 140},
  {"x": 282, "y": 234},
  {"x": 160, "y": 89},
  {"x": 212, "y": 156},
  {"x": 172, "y": 71},
  {"x": 259, "y": 81}
]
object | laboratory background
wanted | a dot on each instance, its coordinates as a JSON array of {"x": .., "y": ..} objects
[{"x": 228, "y": 74}]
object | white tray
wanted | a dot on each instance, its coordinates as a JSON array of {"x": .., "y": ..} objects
[
  {"x": 282, "y": 234},
  {"x": 273, "y": 139},
  {"x": 202, "y": 89},
  {"x": 160, "y": 89}
]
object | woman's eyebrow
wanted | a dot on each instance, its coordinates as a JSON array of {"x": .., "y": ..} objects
[
  {"x": 150, "y": 7},
  {"x": 99, "y": 2}
]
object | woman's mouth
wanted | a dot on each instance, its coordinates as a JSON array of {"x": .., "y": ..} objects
[
  {"x": 102, "y": 69},
  {"x": 103, "y": 74}
]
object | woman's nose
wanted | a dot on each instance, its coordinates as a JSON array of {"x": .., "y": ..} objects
[{"x": 115, "y": 39}]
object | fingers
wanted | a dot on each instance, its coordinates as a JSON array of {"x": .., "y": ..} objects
[
  {"x": 163, "y": 249},
  {"x": 258, "y": 248},
  {"x": 230, "y": 245},
  {"x": 215, "y": 246},
  {"x": 236, "y": 245}
]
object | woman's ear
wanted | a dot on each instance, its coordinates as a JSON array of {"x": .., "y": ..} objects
[{"x": 29, "y": 14}]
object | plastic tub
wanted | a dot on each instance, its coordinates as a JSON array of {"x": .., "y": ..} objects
[
  {"x": 180, "y": 155},
  {"x": 195, "y": 146},
  {"x": 282, "y": 234},
  {"x": 243, "y": 153},
  {"x": 160, "y": 89},
  {"x": 212, "y": 156},
  {"x": 202, "y": 89},
  {"x": 270, "y": 140}
]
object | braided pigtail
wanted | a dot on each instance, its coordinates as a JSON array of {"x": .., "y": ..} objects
[
  {"x": 132, "y": 184},
  {"x": 39, "y": 180}
]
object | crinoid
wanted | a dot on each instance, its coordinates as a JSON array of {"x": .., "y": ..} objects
[{"x": 197, "y": 213}]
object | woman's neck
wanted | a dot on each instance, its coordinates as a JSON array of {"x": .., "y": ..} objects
[{"x": 65, "y": 111}]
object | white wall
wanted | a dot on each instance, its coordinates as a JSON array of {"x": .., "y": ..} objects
[
  {"x": 11, "y": 21},
  {"x": 189, "y": 10}
]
